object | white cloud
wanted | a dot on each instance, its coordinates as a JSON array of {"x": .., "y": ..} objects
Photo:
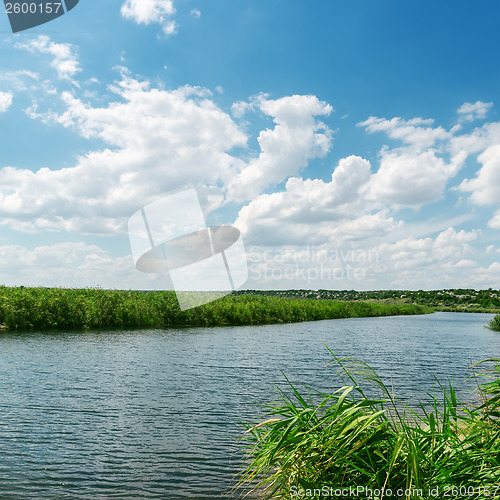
[
  {"x": 64, "y": 61},
  {"x": 409, "y": 178},
  {"x": 196, "y": 13},
  {"x": 5, "y": 101},
  {"x": 416, "y": 173},
  {"x": 314, "y": 211},
  {"x": 151, "y": 11},
  {"x": 410, "y": 263},
  {"x": 17, "y": 78},
  {"x": 485, "y": 187},
  {"x": 297, "y": 138},
  {"x": 474, "y": 111},
  {"x": 426, "y": 262},
  {"x": 73, "y": 264},
  {"x": 158, "y": 141},
  {"x": 495, "y": 221},
  {"x": 449, "y": 247},
  {"x": 486, "y": 277},
  {"x": 415, "y": 132}
]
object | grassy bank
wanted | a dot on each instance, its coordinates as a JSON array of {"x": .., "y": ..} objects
[
  {"x": 472, "y": 309},
  {"x": 449, "y": 300},
  {"x": 347, "y": 439},
  {"x": 41, "y": 308}
]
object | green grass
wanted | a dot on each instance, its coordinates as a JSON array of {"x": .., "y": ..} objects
[
  {"x": 42, "y": 308},
  {"x": 494, "y": 324},
  {"x": 349, "y": 439}
]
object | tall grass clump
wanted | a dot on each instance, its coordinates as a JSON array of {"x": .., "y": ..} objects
[
  {"x": 494, "y": 324},
  {"x": 43, "y": 308},
  {"x": 321, "y": 445}
]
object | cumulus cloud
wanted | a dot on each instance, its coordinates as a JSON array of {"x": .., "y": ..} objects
[
  {"x": 196, "y": 13},
  {"x": 478, "y": 110},
  {"x": 406, "y": 263},
  {"x": 486, "y": 185},
  {"x": 297, "y": 138},
  {"x": 5, "y": 101},
  {"x": 415, "y": 132},
  {"x": 449, "y": 247},
  {"x": 427, "y": 262},
  {"x": 409, "y": 178},
  {"x": 151, "y": 11},
  {"x": 64, "y": 58},
  {"x": 314, "y": 211},
  {"x": 495, "y": 221},
  {"x": 155, "y": 141},
  {"x": 158, "y": 141},
  {"x": 73, "y": 264},
  {"x": 486, "y": 277},
  {"x": 418, "y": 172}
]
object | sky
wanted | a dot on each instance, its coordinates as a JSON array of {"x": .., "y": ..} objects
[{"x": 354, "y": 143}]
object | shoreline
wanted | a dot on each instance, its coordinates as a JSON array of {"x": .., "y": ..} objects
[{"x": 65, "y": 308}]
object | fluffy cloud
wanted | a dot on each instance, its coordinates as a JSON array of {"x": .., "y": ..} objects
[
  {"x": 353, "y": 213},
  {"x": 64, "y": 61},
  {"x": 407, "y": 263},
  {"x": 158, "y": 141},
  {"x": 474, "y": 111},
  {"x": 409, "y": 178},
  {"x": 417, "y": 172},
  {"x": 486, "y": 277},
  {"x": 151, "y": 11},
  {"x": 415, "y": 132},
  {"x": 427, "y": 262},
  {"x": 71, "y": 264},
  {"x": 485, "y": 187},
  {"x": 495, "y": 221},
  {"x": 313, "y": 211},
  {"x": 297, "y": 138},
  {"x": 5, "y": 101}
]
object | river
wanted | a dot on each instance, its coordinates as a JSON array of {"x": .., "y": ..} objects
[{"x": 155, "y": 413}]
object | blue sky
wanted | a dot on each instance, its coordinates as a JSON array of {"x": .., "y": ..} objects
[{"x": 256, "y": 104}]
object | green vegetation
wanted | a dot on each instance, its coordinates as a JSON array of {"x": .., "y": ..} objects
[
  {"x": 494, "y": 324},
  {"x": 453, "y": 300},
  {"x": 90, "y": 308},
  {"x": 348, "y": 439}
]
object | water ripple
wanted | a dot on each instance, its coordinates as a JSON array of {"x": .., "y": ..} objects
[{"x": 156, "y": 413}]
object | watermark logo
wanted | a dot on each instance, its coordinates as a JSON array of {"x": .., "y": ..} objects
[
  {"x": 310, "y": 266},
  {"x": 171, "y": 236},
  {"x": 26, "y": 14}
]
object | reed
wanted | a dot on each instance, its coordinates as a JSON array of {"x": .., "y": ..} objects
[
  {"x": 320, "y": 445},
  {"x": 43, "y": 308},
  {"x": 494, "y": 324}
]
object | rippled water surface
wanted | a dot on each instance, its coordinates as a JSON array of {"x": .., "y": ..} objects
[{"x": 155, "y": 413}]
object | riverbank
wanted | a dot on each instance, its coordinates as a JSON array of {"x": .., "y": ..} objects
[
  {"x": 446, "y": 300},
  {"x": 49, "y": 308}
]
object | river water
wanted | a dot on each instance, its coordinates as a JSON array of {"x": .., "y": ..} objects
[{"x": 155, "y": 413}]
